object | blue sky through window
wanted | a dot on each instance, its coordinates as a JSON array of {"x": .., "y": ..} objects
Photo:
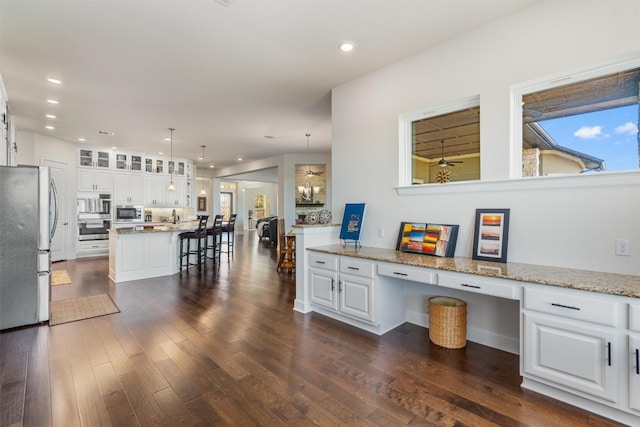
[{"x": 611, "y": 135}]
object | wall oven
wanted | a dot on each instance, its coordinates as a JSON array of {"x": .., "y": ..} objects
[
  {"x": 129, "y": 213},
  {"x": 93, "y": 227}
]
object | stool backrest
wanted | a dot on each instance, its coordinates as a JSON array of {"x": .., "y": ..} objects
[
  {"x": 202, "y": 225},
  {"x": 232, "y": 222},
  {"x": 217, "y": 222}
]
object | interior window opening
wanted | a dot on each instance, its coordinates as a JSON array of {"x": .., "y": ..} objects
[
  {"x": 446, "y": 147},
  {"x": 585, "y": 127}
]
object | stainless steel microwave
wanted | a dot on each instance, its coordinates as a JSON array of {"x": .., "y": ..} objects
[{"x": 129, "y": 213}]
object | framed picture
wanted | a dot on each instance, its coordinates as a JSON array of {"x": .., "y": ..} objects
[
  {"x": 202, "y": 203},
  {"x": 491, "y": 235},
  {"x": 428, "y": 239}
]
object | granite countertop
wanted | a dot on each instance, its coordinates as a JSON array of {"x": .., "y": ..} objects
[
  {"x": 164, "y": 228},
  {"x": 594, "y": 281}
]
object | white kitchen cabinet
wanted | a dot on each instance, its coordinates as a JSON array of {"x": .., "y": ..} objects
[
  {"x": 126, "y": 161},
  {"x": 89, "y": 248},
  {"x": 155, "y": 165},
  {"x": 348, "y": 291},
  {"x": 90, "y": 179},
  {"x": 128, "y": 188},
  {"x": 94, "y": 158},
  {"x": 178, "y": 197},
  {"x": 634, "y": 372},
  {"x": 572, "y": 354},
  {"x": 155, "y": 190},
  {"x": 177, "y": 167}
]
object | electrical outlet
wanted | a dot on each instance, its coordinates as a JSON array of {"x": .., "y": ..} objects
[
  {"x": 622, "y": 247},
  {"x": 381, "y": 232}
]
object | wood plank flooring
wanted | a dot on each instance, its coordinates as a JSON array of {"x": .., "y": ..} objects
[{"x": 223, "y": 346}]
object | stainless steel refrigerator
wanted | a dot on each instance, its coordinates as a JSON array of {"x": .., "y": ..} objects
[{"x": 28, "y": 211}]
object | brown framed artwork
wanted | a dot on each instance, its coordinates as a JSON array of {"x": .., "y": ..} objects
[
  {"x": 491, "y": 235},
  {"x": 202, "y": 203}
]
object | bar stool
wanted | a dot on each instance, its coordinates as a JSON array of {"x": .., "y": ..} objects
[
  {"x": 230, "y": 228},
  {"x": 199, "y": 236},
  {"x": 215, "y": 233}
]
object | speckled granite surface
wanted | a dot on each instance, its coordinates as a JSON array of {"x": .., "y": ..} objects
[
  {"x": 607, "y": 283},
  {"x": 183, "y": 226}
]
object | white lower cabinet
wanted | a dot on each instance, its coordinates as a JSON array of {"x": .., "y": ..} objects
[
  {"x": 634, "y": 372},
  {"x": 348, "y": 289},
  {"x": 571, "y": 355},
  {"x": 88, "y": 248},
  {"x": 577, "y": 346}
]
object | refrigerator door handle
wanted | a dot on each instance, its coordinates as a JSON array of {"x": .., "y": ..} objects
[{"x": 54, "y": 201}]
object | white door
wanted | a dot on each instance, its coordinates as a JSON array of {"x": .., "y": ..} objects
[{"x": 59, "y": 173}]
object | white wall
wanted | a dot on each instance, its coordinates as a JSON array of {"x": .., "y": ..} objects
[
  {"x": 560, "y": 223},
  {"x": 567, "y": 222}
]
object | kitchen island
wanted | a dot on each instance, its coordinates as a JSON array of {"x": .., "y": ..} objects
[{"x": 145, "y": 251}]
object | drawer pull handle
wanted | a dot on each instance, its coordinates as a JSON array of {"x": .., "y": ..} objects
[
  {"x": 470, "y": 286},
  {"x": 609, "y": 353},
  {"x": 332, "y": 285},
  {"x": 353, "y": 268},
  {"x": 320, "y": 262},
  {"x": 397, "y": 273},
  {"x": 637, "y": 361},
  {"x": 339, "y": 286},
  {"x": 565, "y": 306}
]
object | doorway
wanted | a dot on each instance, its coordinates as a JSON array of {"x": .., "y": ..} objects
[
  {"x": 226, "y": 204},
  {"x": 59, "y": 172}
]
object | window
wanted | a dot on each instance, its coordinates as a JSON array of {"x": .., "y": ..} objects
[
  {"x": 444, "y": 143},
  {"x": 590, "y": 125}
]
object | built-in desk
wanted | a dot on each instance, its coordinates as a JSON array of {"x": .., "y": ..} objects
[{"x": 577, "y": 332}]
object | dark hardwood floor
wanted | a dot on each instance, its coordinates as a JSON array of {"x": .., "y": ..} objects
[{"x": 224, "y": 347}]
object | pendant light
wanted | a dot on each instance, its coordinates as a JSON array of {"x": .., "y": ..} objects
[
  {"x": 171, "y": 186},
  {"x": 202, "y": 191}
]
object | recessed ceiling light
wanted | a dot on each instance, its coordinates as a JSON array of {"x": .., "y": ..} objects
[
  {"x": 82, "y": 139},
  {"x": 55, "y": 81},
  {"x": 211, "y": 166},
  {"x": 239, "y": 159},
  {"x": 114, "y": 148},
  {"x": 160, "y": 153},
  {"x": 50, "y": 116},
  {"x": 52, "y": 101},
  {"x": 167, "y": 139},
  {"x": 50, "y": 127},
  {"x": 347, "y": 46}
]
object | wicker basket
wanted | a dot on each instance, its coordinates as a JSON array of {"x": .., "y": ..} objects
[{"x": 448, "y": 322}]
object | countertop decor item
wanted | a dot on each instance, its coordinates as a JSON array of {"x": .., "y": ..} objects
[
  {"x": 313, "y": 217},
  {"x": 430, "y": 239},
  {"x": 325, "y": 217},
  {"x": 491, "y": 235}
]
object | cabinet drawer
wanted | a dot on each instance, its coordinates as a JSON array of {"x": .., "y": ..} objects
[
  {"x": 93, "y": 246},
  {"x": 574, "y": 305},
  {"x": 356, "y": 267},
  {"x": 407, "y": 272},
  {"x": 634, "y": 317},
  {"x": 321, "y": 260},
  {"x": 497, "y": 288}
]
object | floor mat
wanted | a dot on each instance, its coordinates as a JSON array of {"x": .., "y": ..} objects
[
  {"x": 70, "y": 310},
  {"x": 60, "y": 277}
]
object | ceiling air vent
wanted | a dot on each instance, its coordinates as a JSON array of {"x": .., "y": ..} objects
[{"x": 106, "y": 132}]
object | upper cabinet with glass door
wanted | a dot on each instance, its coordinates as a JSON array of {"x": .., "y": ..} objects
[
  {"x": 155, "y": 165},
  {"x": 177, "y": 167},
  {"x": 94, "y": 158},
  {"x": 128, "y": 161}
]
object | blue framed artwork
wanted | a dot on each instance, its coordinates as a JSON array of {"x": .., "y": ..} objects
[{"x": 352, "y": 221}]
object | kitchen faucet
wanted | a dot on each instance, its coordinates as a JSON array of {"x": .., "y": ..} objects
[{"x": 173, "y": 214}]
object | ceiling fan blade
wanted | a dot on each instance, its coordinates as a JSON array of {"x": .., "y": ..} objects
[{"x": 450, "y": 164}]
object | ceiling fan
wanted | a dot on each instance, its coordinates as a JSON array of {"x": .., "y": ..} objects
[{"x": 443, "y": 163}]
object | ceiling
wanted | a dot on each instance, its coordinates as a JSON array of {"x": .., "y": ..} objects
[{"x": 246, "y": 78}]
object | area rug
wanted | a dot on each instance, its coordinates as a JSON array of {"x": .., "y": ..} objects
[
  {"x": 60, "y": 277},
  {"x": 70, "y": 310}
]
